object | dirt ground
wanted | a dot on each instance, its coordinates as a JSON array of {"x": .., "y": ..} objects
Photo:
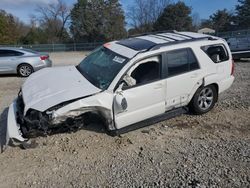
[{"x": 212, "y": 150}]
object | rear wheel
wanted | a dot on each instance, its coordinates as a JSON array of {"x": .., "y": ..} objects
[
  {"x": 25, "y": 70},
  {"x": 204, "y": 100}
]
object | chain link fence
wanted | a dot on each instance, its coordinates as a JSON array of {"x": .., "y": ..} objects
[
  {"x": 91, "y": 46},
  {"x": 58, "y": 47}
]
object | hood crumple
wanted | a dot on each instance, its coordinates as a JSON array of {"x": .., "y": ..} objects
[{"x": 51, "y": 86}]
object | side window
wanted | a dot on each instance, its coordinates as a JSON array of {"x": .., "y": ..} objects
[
  {"x": 177, "y": 62},
  {"x": 146, "y": 70},
  {"x": 181, "y": 61},
  {"x": 18, "y": 53},
  {"x": 1, "y": 53},
  {"x": 9, "y": 53},
  {"x": 217, "y": 53}
]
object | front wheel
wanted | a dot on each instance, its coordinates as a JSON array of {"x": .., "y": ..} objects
[
  {"x": 204, "y": 100},
  {"x": 25, "y": 70}
]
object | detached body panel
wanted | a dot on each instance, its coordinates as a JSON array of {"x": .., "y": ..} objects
[{"x": 13, "y": 128}]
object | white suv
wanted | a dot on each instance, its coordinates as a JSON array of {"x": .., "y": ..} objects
[{"x": 125, "y": 84}]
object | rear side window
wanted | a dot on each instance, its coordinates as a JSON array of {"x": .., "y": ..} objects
[
  {"x": 217, "y": 53},
  {"x": 30, "y": 51},
  {"x": 9, "y": 53},
  {"x": 181, "y": 61}
]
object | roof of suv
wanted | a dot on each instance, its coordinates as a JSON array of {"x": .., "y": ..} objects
[{"x": 148, "y": 42}]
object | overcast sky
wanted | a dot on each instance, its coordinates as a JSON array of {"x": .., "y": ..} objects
[{"x": 24, "y": 8}]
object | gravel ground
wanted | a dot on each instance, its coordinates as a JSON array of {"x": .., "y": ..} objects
[{"x": 212, "y": 150}]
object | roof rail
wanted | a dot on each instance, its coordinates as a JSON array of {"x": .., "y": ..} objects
[
  {"x": 181, "y": 34},
  {"x": 153, "y": 33},
  {"x": 167, "y": 37},
  {"x": 158, "y": 46},
  {"x": 162, "y": 32}
]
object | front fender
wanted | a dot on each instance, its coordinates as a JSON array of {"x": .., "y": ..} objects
[{"x": 100, "y": 103}]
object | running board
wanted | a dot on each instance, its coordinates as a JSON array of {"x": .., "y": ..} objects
[{"x": 168, "y": 115}]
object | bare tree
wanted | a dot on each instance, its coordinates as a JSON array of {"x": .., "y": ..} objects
[
  {"x": 144, "y": 13},
  {"x": 54, "y": 19}
]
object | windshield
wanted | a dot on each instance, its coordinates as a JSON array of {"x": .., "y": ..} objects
[{"x": 101, "y": 67}]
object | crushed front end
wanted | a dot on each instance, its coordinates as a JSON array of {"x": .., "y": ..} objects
[{"x": 21, "y": 127}]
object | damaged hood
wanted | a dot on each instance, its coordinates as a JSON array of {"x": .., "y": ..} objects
[{"x": 51, "y": 86}]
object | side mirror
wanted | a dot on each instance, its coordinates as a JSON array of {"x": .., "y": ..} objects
[
  {"x": 120, "y": 103},
  {"x": 129, "y": 80}
]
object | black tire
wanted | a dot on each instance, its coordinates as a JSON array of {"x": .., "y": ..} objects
[
  {"x": 25, "y": 70},
  {"x": 200, "y": 99}
]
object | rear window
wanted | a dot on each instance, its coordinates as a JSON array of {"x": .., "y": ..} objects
[
  {"x": 217, "y": 53},
  {"x": 30, "y": 51}
]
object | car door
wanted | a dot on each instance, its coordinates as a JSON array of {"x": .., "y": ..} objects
[
  {"x": 144, "y": 100},
  {"x": 8, "y": 61},
  {"x": 183, "y": 75}
]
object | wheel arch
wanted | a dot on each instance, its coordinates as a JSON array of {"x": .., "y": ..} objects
[
  {"x": 216, "y": 85},
  {"x": 99, "y": 103},
  {"x": 203, "y": 83},
  {"x": 23, "y": 63},
  {"x": 103, "y": 114},
  {"x": 193, "y": 105}
]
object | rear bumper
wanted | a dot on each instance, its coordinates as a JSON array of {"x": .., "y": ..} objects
[
  {"x": 44, "y": 64},
  {"x": 226, "y": 84},
  {"x": 48, "y": 63},
  {"x": 13, "y": 128}
]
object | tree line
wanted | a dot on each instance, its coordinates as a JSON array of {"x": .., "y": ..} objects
[{"x": 105, "y": 20}]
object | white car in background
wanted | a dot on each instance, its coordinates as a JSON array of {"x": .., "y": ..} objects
[
  {"x": 22, "y": 61},
  {"x": 125, "y": 84}
]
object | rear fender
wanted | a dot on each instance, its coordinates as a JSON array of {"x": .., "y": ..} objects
[
  {"x": 198, "y": 84},
  {"x": 208, "y": 80}
]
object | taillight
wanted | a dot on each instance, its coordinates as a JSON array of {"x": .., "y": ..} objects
[
  {"x": 232, "y": 69},
  {"x": 44, "y": 57}
]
